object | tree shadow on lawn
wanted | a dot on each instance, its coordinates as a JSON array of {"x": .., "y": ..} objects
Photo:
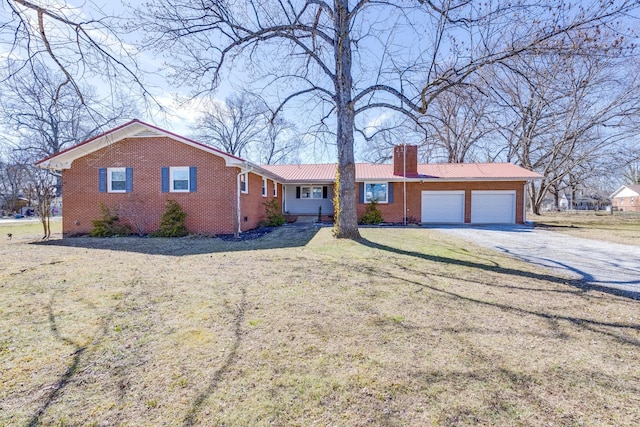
[
  {"x": 214, "y": 381},
  {"x": 79, "y": 350},
  {"x": 583, "y": 323},
  {"x": 280, "y": 238},
  {"x": 578, "y": 283}
]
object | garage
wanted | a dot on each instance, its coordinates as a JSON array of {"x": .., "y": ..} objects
[
  {"x": 443, "y": 207},
  {"x": 493, "y": 207}
]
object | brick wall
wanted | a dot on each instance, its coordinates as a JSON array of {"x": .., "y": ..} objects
[
  {"x": 252, "y": 209},
  {"x": 393, "y": 212},
  {"x": 626, "y": 204},
  {"x": 210, "y": 210}
]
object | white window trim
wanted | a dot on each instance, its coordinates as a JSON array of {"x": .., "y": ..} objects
[
  {"x": 275, "y": 189},
  {"x": 172, "y": 171},
  {"x": 244, "y": 176},
  {"x": 385, "y": 201},
  {"x": 311, "y": 187},
  {"x": 265, "y": 187},
  {"x": 109, "y": 180}
]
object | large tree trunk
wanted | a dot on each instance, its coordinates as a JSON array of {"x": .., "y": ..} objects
[{"x": 347, "y": 221}]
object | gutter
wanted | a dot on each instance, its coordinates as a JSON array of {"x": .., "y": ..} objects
[{"x": 246, "y": 169}]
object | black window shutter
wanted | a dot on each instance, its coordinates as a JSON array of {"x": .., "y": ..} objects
[
  {"x": 361, "y": 191},
  {"x": 325, "y": 192},
  {"x": 297, "y": 192},
  {"x": 390, "y": 192},
  {"x": 128, "y": 186},
  {"x": 165, "y": 179},
  {"x": 102, "y": 180},
  {"x": 192, "y": 179}
]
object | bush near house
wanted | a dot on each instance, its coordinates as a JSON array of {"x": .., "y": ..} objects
[
  {"x": 172, "y": 223},
  {"x": 274, "y": 216},
  {"x": 372, "y": 214},
  {"x": 109, "y": 224}
]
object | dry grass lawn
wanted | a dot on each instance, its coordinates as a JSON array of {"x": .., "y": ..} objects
[
  {"x": 621, "y": 227},
  {"x": 406, "y": 327}
]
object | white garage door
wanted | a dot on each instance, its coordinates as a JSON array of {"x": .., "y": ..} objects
[
  {"x": 443, "y": 206},
  {"x": 493, "y": 207}
]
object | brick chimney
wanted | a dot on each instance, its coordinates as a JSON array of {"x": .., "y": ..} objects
[{"x": 399, "y": 158}]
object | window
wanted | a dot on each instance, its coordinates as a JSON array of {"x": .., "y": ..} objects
[
  {"x": 275, "y": 189},
  {"x": 264, "y": 187},
  {"x": 243, "y": 183},
  {"x": 179, "y": 180},
  {"x": 311, "y": 193},
  {"x": 115, "y": 180},
  {"x": 632, "y": 199},
  {"x": 376, "y": 191}
]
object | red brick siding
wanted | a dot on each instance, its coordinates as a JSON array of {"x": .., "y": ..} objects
[
  {"x": 625, "y": 204},
  {"x": 399, "y": 158},
  {"x": 210, "y": 210},
  {"x": 392, "y": 212},
  {"x": 252, "y": 207}
]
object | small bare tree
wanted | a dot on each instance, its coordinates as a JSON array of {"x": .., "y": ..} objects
[
  {"x": 135, "y": 214},
  {"x": 41, "y": 189}
]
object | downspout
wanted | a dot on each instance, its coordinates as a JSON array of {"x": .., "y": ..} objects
[
  {"x": 246, "y": 170},
  {"x": 238, "y": 199}
]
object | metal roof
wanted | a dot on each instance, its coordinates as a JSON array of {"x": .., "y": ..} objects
[{"x": 426, "y": 172}]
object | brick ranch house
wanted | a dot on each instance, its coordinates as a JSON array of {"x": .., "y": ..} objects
[
  {"x": 135, "y": 168},
  {"x": 626, "y": 198}
]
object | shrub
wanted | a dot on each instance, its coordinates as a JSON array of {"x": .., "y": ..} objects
[
  {"x": 372, "y": 214},
  {"x": 274, "y": 215},
  {"x": 108, "y": 225},
  {"x": 172, "y": 222}
]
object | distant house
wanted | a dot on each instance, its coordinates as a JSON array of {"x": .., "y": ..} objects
[
  {"x": 13, "y": 203},
  {"x": 549, "y": 203},
  {"x": 137, "y": 167},
  {"x": 626, "y": 198}
]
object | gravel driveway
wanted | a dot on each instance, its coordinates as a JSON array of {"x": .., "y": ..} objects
[{"x": 598, "y": 264}]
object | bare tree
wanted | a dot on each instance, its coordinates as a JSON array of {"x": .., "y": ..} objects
[
  {"x": 41, "y": 189},
  {"x": 281, "y": 143},
  {"x": 47, "y": 118},
  {"x": 232, "y": 126},
  {"x": 458, "y": 122},
  {"x": 563, "y": 113},
  {"x": 79, "y": 43},
  {"x": 348, "y": 58},
  {"x": 631, "y": 174},
  {"x": 12, "y": 180}
]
